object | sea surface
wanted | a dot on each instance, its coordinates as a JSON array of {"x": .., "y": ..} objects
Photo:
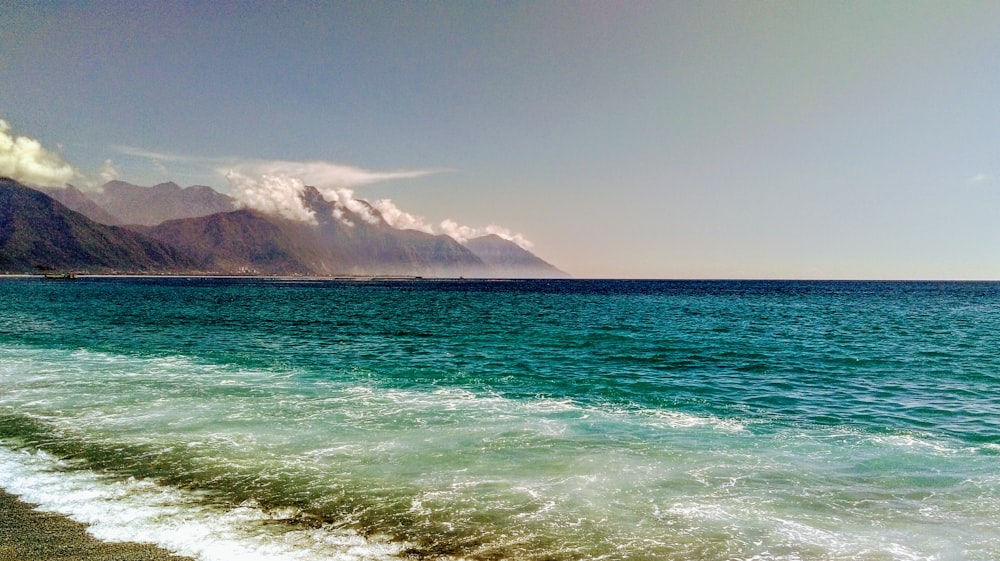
[{"x": 244, "y": 419}]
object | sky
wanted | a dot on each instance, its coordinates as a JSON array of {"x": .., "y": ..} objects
[{"x": 835, "y": 140}]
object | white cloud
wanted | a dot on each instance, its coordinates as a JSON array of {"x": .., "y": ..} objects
[
  {"x": 980, "y": 178},
  {"x": 463, "y": 234},
  {"x": 160, "y": 167},
  {"x": 153, "y": 155},
  {"x": 325, "y": 175},
  {"x": 108, "y": 171},
  {"x": 508, "y": 235},
  {"x": 400, "y": 219},
  {"x": 269, "y": 186},
  {"x": 276, "y": 187},
  {"x": 460, "y": 233},
  {"x": 344, "y": 198},
  {"x": 25, "y": 159},
  {"x": 338, "y": 213},
  {"x": 271, "y": 195}
]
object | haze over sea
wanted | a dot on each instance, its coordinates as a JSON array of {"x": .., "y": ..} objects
[{"x": 671, "y": 420}]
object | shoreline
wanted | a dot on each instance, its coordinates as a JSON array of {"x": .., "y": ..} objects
[{"x": 27, "y": 534}]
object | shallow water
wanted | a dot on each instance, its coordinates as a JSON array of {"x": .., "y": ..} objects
[{"x": 270, "y": 419}]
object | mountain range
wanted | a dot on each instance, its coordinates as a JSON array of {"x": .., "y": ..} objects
[
  {"x": 40, "y": 233},
  {"x": 119, "y": 203},
  {"x": 196, "y": 230}
]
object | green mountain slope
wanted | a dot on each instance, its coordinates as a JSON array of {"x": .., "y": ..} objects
[{"x": 38, "y": 232}]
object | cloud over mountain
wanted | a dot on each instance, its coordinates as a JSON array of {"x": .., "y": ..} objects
[
  {"x": 277, "y": 187},
  {"x": 463, "y": 234},
  {"x": 398, "y": 218},
  {"x": 203, "y": 234},
  {"x": 108, "y": 171},
  {"x": 270, "y": 194},
  {"x": 25, "y": 159},
  {"x": 274, "y": 187}
]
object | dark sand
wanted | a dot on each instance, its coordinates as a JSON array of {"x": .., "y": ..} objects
[{"x": 27, "y": 534}]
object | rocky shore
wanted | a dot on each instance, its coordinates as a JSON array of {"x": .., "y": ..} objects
[{"x": 30, "y": 535}]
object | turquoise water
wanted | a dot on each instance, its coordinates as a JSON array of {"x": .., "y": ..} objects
[{"x": 270, "y": 419}]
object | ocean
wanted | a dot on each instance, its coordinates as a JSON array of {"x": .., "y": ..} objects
[{"x": 245, "y": 419}]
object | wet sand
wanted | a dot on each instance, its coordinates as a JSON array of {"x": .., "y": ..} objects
[{"x": 27, "y": 534}]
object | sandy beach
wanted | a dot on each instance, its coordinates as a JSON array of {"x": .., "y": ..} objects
[{"x": 29, "y": 535}]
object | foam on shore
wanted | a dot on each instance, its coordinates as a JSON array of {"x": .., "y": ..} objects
[
  {"x": 27, "y": 533},
  {"x": 123, "y": 511}
]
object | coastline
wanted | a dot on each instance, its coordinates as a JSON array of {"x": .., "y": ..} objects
[{"x": 27, "y": 534}]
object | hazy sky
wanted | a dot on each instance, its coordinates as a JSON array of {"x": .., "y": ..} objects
[{"x": 663, "y": 139}]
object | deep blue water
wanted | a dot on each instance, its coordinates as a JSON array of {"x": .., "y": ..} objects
[{"x": 509, "y": 419}]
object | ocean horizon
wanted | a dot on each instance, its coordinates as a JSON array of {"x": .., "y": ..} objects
[{"x": 282, "y": 418}]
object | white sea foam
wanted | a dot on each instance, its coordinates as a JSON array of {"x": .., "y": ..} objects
[
  {"x": 678, "y": 420},
  {"x": 539, "y": 464},
  {"x": 915, "y": 442},
  {"x": 142, "y": 511},
  {"x": 86, "y": 382}
]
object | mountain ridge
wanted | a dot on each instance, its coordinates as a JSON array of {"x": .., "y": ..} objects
[
  {"x": 149, "y": 206},
  {"x": 513, "y": 260},
  {"x": 38, "y": 232},
  {"x": 244, "y": 241},
  {"x": 77, "y": 200}
]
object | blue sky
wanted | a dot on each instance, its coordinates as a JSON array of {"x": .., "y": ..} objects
[{"x": 660, "y": 139}]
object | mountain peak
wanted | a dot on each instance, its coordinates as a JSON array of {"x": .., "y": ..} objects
[
  {"x": 169, "y": 186},
  {"x": 349, "y": 237},
  {"x": 148, "y": 206},
  {"x": 510, "y": 259},
  {"x": 79, "y": 201},
  {"x": 38, "y": 232}
]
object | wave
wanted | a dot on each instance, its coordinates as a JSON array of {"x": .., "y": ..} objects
[
  {"x": 209, "y": 459},
  {"x": 132, "y": 510}
]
